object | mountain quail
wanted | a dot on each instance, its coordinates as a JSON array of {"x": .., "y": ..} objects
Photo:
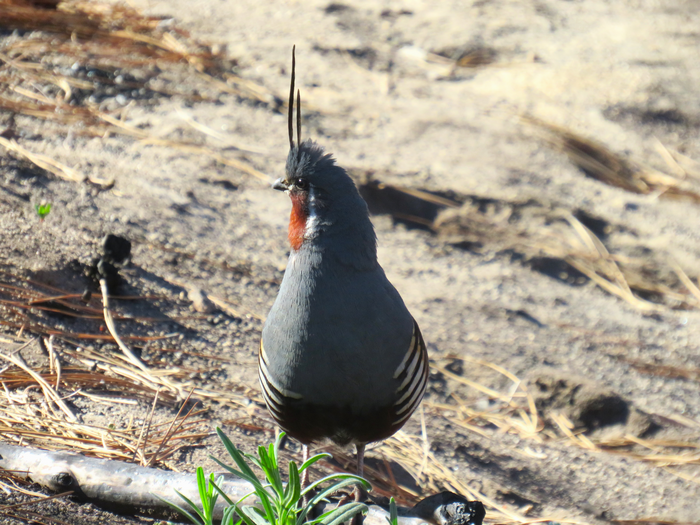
[{"x": 341, "y": 358}]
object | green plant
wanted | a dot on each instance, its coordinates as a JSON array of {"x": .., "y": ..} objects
[
  {"x": 42, "y": 210},
  {"x": 278, "y": 504},
  {"x": 393, "y": 518},
  {"x": 207, "y": 496}
]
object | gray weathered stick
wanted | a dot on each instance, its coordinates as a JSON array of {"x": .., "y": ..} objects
[{"x": 127, "y": 486}]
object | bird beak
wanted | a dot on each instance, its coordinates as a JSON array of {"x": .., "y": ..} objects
[{"x": 280, "y": 184}]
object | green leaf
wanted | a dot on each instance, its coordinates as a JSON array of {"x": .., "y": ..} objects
[
  {"x": 244, "y": 515},
  {"x": 343, "y": 480},
  {"x": 260, "y": 512},
  {"x": 264, "y": 498},
  {"x": 323, "y": 494},
  {"x": 236, "y": 455},
  {"x": 179, "y": 509},
  {"x": 212, "y": 496},
  {"x": 191, "y": 504},
  {"x": 343, "y": 514},
  {"x": 264, "y": 459},
  {"x": 295, "y": 482},
  {"x": 393, "y": 518},
  {"x": 202, "y": 488},
  {"x": 227, "y": 517},
  {"x": 235, "y": 472},
  {"x": 313, "y": 460},
  {"x": 218, "y": 482},
  {"x": 257, "y": 516},
  {"x": 278, "y": 443},
  {"x": 271, "y": 472},
  {"x": 245, "y": 471},
  {"x": 42, "y": 210},
  {"x": 292, "y": 491}
]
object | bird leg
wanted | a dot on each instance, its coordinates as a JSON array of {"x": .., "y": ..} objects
[
  {"x": 359, "y": 492},
  {"x": 305, "y": 473},
  {"x": 305, "y": 477}
]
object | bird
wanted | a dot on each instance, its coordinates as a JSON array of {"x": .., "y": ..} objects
[{"x": 341, "y": 358}]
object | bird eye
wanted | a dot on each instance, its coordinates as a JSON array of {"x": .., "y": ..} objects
[{"x": 301, "y": 184}]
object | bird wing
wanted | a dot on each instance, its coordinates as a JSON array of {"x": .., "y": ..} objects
[{"x": 413, "y": 374}]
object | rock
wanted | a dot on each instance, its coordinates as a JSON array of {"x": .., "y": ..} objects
[
  {"x": 116, "y": 249},
  {"x": 200, "y": 301},
  {"x": 448, "y": 508}
]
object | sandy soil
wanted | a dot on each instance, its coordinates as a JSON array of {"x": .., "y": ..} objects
[{"x": 622, "y": 73}]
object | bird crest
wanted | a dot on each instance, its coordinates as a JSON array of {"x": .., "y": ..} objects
[{"x": 290, "y": 122}]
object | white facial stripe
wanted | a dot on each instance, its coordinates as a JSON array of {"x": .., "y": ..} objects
[{"x": 312, "y": 218}]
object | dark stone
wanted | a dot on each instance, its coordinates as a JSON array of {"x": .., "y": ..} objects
[
  {"x": 448, "y": 508},
  {"x": 116, "y": 249}
]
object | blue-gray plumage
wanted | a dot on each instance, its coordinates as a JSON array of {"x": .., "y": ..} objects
[
  {"x": 341, "y": 357},
  {"x": 335, "y": 338}
]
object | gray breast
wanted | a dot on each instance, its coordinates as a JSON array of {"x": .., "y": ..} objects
[{"x": 336, "y": 337}]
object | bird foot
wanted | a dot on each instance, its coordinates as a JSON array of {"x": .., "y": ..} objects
[
  {"x": 357, "y": 520},
  {"x": 344, "y": 500},
  {"x": 357, "y": 495}
]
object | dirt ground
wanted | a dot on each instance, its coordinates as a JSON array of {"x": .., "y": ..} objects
[{"x": 485, "y": 237}]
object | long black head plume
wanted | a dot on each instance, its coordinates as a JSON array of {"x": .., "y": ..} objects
[
  {"x": 291, "y": 103},
  {"x": 299, "y": 124},
  {"x": 290, "y": 122}
]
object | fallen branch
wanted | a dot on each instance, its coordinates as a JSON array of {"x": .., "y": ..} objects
[{"x": 129, "y": 487}]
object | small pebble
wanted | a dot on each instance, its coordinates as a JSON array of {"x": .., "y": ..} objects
[{"x": 199, "y": 300}]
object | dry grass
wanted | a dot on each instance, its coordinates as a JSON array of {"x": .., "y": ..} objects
[
  {"x": 38, "y": 398},
  {"x": 24, "y": 304},
  {"x": 514, "y": 411},
  {"x": 42, "y": 161},
  {"x": 599, "y": 162},
  {"x": 36, "y": 401},
  {"x": 557, "y": 234},
  {"x": 10, "y": 482},
  {"x": 34, "y": 412},
  {"x": 67, "y": 66},
  {"x": 30, "y": 420}
]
